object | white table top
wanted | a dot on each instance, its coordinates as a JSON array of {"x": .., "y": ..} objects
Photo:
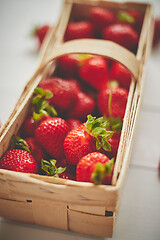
[{"x": 139, "y": 212}]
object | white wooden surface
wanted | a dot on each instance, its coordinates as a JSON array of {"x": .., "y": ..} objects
[{"x": 139, "y": 212}]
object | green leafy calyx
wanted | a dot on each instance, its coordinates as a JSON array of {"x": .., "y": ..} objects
[
  {"x": 49, "y": 166},
  {"x": 101, "y": 171},
  {"x": 20, "y": 143},
  {"x": 97, "y": 127},
  {"x": 41, "y": 106}
]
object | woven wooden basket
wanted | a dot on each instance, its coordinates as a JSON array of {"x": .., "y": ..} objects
[{"x": 67, "y": 204}]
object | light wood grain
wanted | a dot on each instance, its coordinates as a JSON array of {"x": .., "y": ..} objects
[{"x": 90, "y": 224}]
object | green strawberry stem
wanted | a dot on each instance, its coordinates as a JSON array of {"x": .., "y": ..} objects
[
  {"x": 101, "y": 171},
  {"x": 96, "y": 127},
  {"x": 125, "y": 17},
  {"x": 49, "y": 166},
  {"x": 20, "y": 143},
  {"x": 41, "y": 105}
]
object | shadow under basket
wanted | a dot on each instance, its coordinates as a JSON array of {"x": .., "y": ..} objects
[{"x": 66, "y": 204}]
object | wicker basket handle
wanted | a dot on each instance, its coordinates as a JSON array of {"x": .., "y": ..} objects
[{"x": 105, "y": 48}]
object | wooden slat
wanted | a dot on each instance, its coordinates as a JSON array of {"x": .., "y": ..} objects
[
  {"x": 50, "y": 214},
  {"x": 99, "y": 47},
  {"x": 16, "y": 210},
  {"x": 91, "y": 224},
  {"x": 96, "y": 210},
  {"x": 132, "y": 108},
  {"x": 23, "y": 187}
]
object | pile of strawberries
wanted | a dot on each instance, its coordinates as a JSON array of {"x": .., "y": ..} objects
[
  {"x": 122, "y": 27},
  {"x": 73, "y": 126}
]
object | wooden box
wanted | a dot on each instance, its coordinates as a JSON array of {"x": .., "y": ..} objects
[{"x": 66, "y": 204}]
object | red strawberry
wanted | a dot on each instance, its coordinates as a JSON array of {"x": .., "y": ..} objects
[
  {"x": 95, "y": 167},
  {"x": 156, "y": 35},
  {"x": 101, "y": 18},
  {"x": 83, "y": 106},
  {"x": 123, "y": 34},
  {"x": 77, "y": 144},
  {"x": 132, "y": 17},
  {"x": 64, "y": 92},
  {"x": 114, "y": 141},
  {"x": 77, "y": 30},
  {"x": 73, "y": 123},
  {"x": 68, "y": 65},
  {"x": 30, "y": 145},
  {"x": 35, "y": 149},
  {"x": 40, "y": 110},
  {"x": 19, "y": 161},
  {"x": 138, "y": 19},
  {"x": 89, "y": 137},
  {"x": 118, "y": 102},
  {"x": 40, "y": 32},
  {"x": 120, "y": 74},
  {"x": 51, "y": 134},
  {"x": 94, "y": 70},
  {"x": 69, "y": 173},
  {"x": 28, "y": 127}
]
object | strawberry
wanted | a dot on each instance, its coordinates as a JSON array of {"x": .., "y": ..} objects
[
  {"x": 73, "y": 123},
  {"x": 123, "y": 34},
  {"x": 132, "y": 17},
  {"x": 101, "y": 17},
  {"x": 30, "y": 145},
  {"x": 67, "y": 174},
  {"x": 89, "y": 137},
  {"x": 138, "y": 19},
  {"x": 96, "y": 168},
  {"x": 40, "y": 109},
  {"x": 40, "y": 33},
  {"x": 94, "y": 70},
  {"x": 156, "y": 35},
  {"x": 18, "y": 160},
  {"x": 77, "y": 144},
  {"x": 51, "y": 134},
  {"x": 114, "y": 141},
  {"x": 121, "y": 74},
  {"x": 77, "y": 30},
  {"x": 115, "y": 125},
  {"x": 68, "y": 65},
  {"x": 84, "y": 106},
  {"x": 35, "y": 149},
  {"x": 28, "y": 127},
  {"x": 118, "y": 102},
  {"x": 64, "y": 92}
]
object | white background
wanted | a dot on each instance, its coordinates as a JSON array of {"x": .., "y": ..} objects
[{"x": 139, "y": 212}]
